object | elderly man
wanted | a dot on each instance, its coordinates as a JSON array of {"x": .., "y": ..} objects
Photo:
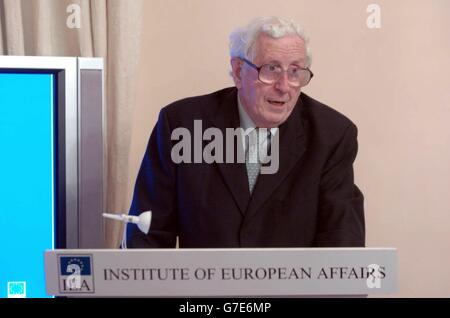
[{"x": 309, "y": 200}]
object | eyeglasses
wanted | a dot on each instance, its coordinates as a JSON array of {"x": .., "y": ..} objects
[{"x": 271, "y": 73}]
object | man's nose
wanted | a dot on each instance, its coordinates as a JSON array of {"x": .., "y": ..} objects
[{"x": 282, "y": 84}]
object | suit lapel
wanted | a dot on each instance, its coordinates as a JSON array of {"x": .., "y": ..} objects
[
  {"x": 234, "y": 174},
  {"x": 292, "y": 146}
]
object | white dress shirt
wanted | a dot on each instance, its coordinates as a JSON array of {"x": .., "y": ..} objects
[{"x": 248, "y": 125}]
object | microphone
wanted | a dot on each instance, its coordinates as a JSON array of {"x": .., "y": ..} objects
[{"x": 143, "y": 220}]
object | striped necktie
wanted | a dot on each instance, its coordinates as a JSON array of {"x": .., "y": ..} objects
[{"x": 252, "y": 156}]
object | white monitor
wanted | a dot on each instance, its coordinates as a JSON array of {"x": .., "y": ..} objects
[{"x": 51, "y": 164}]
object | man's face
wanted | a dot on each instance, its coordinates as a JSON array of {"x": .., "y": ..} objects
[{"x": 269, "y": 105}]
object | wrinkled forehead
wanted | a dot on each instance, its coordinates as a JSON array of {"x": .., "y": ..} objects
[{"x": 289, "y": 48}]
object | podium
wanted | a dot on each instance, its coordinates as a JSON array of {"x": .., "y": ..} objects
[{"x": 244, "y": 272}]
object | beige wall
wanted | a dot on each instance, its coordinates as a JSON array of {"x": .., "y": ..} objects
[{"x": 393, "y": 82}]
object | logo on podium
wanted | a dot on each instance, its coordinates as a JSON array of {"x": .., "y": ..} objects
[{"x": 75, "y": 274}]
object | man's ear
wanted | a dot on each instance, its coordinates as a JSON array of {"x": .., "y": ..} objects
[{"x": 236, "y": 67}]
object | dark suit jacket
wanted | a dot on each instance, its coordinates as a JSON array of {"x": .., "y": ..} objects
[{"x": 311, "y": 201}]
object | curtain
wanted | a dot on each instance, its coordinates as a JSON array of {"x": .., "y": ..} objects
[{"x": 110, "y": 29}]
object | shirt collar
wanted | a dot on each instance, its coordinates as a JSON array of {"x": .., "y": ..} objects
[{"x": 246, "y": 121}]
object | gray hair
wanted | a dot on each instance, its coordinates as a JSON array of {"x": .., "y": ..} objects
[{"x": 243, "y": 39}]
